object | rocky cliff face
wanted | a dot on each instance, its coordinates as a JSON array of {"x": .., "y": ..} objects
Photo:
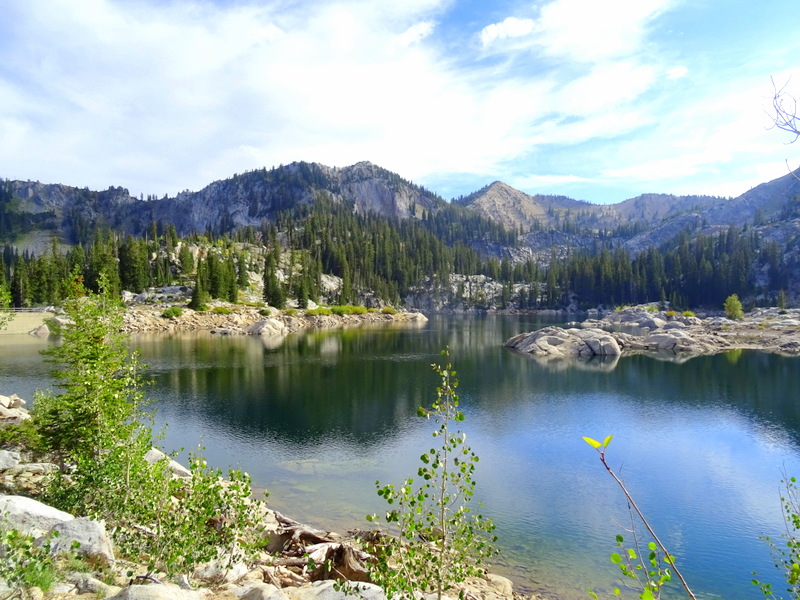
[
  {"x": 242, "y": 200},
  {"x": 549, "y": 223}
]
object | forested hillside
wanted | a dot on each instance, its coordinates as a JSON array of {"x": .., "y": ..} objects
[{"x": 364, "y": 235}]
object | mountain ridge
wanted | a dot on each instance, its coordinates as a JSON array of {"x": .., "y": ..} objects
[{"x": 254, "y": 197}]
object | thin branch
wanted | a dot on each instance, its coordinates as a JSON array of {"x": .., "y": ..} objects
[{"x": 646, "y": 524}]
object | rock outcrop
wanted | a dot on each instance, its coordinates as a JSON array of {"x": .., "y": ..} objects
[
  {"x": 555, "y": 341},
  {"x": 665, "y": 335},
  {"x": 250, "y": 321},
  {"x": 12, "y": 409}
]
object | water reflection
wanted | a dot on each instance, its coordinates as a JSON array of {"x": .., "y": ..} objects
[{"x": 318, "y": 418}]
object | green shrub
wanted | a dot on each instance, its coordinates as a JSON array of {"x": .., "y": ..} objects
[
  {"x": 687, "y": 313},
  {"x": 265, "y": 312},
  {"x": 54, "y": 325},
  {"x": 25, "y": 564},
  {"x": 372, "y": 310},
  {"x": 22, "y": 435},
  {"x": 388, "y": 310},
  {"x": 437, "y": 510},
  {"x": 290, "y": 312},
  {"x": 319, "y": 311},
  {"x": 221, "y": 310},
  {"x": 172, "y": 311},
  {"x": 733, "y": 307},
  {"x": 96, "y": 428},
  {"x": 348, "y": 309},
  {"x": 671, "y": 313}
]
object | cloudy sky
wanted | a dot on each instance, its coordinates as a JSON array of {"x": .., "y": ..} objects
[{"x": 600, "y": 100}]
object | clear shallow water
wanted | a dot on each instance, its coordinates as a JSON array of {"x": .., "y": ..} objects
[{"x": 317, "y": 419}]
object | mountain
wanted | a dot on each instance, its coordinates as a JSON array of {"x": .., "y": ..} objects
[
  {"x": 242, "y": 200},
  {"x": 497, "y": 231},
  {"x": 251, "y": 198}
]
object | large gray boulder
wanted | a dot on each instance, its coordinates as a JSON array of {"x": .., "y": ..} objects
[
  {"x": 324, "y": 590},
  {"x": 165, "y": 591},
  {"x": 555, "y": 341},
  {"x": 29, "y": 516},
  {"x": 155, "y": 455},
  {"x": 93, "y": 541},
  {"x": 8, "y": 459},
  {"x": 267, "y": 327},
  {"x": 260, "y": 591}
]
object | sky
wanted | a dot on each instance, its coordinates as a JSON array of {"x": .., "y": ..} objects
[{"x": 599, "y": 100}]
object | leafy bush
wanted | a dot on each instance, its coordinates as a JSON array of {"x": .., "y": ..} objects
[
  {"x": 22, "y": 435},
  {"x": 5, "y": 302},
  {"x": 388, "y": 310},
  {"x": 265, "y": 312},
  {"x": 221, "y": 310},
  {"x": 319, "y": 311},
  {"x": 733, "y": 307},
  {"x": 24, "y": 564},
  {"x": 687, "y": 313},
  {"x": 786, "y": 553},
  {"x": 172, "y": 311},
  {"x": 455, "y": 541},
  {"x": 291, "y": 312},
  {"x": 348, "y": 309},
  {"x": 54, "y": 326},
  {"x": 671, "y": 313},
  {"x": 96, "y": 428}
]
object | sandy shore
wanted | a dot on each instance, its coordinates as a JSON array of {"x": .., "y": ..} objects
[{"x": 25, "y": 323}]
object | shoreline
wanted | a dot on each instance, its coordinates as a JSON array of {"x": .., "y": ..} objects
[{"x": 26, "y": 322}]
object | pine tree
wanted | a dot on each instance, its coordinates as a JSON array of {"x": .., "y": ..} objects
[
  {"x": 273, "y": 291},
  {"x": 199, "y": 293}
]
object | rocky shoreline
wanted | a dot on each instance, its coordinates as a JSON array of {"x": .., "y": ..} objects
[
  {"x": 250, "y": 321},
  {"x": 282, "y": 572},
  {"x": 663, "y": 334}
]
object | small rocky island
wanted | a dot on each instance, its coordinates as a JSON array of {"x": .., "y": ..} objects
[{"x": 663, "y": 334}]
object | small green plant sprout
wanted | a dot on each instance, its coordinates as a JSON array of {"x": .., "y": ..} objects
[
  {"x": 786, "y": 554},
  {"x": 649, "y": 570},
  {"x": 439, "y": 541}
]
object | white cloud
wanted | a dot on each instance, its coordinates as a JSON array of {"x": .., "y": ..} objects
[
  {"x": 511, "y": 27},
  {"x": 416, "y": 33},
  {"x": 591, "y": 31},
  {"x": 677, "y": 72},
  {"x": 178, "y": 94}
]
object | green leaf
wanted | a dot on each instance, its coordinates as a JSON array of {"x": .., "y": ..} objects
[
  {"x": 616, "y": 558},
  {"x": 593, "y": 443},
  {"x": 607, "y": 441}
]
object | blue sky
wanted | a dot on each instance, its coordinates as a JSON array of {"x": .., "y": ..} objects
[{"x": 597, "y": 100}]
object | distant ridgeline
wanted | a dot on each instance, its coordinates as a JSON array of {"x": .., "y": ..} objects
[{"x": 278, "y": 233}]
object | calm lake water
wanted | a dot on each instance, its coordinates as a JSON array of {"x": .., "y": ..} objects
[{"x": 317, "y": 419}]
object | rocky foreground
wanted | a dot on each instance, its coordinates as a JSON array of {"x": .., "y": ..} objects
[
  {"x": 281, "y": 573},
  {"x": 664, "y": 335}
]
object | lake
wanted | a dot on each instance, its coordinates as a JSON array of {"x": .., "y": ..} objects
[{"x": 316, "y": 419}]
